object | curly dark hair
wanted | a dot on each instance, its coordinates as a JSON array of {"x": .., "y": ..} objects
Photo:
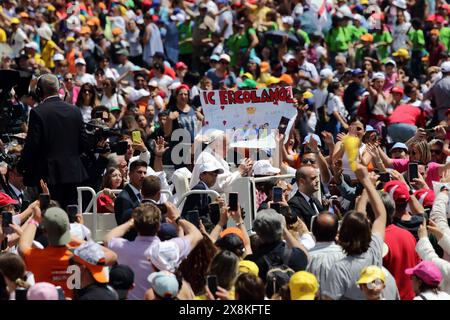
[{"x": 195, "y": 267}]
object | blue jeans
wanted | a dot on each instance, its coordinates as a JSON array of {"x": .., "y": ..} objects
[{"x": 401, "y": 132}]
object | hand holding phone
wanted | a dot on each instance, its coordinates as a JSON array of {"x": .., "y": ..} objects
[
  {"x": 277, "y": 194},
  {"x": 233, "y": 201},
  {"x": 136, "y": 136},
  {"x": 413, "y": 171},
  {"x": 212, "y": 284},
  {"x": 193, "y": 217},
  {"x": 44, "y": 201},
  {"x": 6, "y": 221}
]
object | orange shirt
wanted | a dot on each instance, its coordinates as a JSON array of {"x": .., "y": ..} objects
[
  {"x": 71, "y": 56},
  {"x": 50, "y": 265}
]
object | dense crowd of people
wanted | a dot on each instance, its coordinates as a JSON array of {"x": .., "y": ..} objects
[{"x": 106, "y": 95}]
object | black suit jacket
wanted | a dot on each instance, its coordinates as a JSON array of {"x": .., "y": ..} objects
[
  {"x": 198, "y": 202},
  {"x": 124, "y": 204},
  {"x": 302, "y": 209},
  {"x": 54, "y": 143}
]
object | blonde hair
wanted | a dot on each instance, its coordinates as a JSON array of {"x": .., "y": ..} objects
[{"x": 423, "y": 148}]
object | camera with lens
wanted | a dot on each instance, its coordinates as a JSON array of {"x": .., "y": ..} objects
[{"x": 98, "y": 131}]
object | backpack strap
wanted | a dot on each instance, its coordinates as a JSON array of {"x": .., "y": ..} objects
[{"x": 422, "y": 296}]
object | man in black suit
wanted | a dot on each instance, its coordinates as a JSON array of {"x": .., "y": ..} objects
[
  {"x": 208, "y": 176},
  {"x": 303, "y": 204},
  {"x": 55, "y": 140},
  {"x": 130, "y": 197}
]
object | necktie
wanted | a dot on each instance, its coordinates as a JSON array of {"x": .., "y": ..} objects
[
  {"x": 313, "y": 206},
  {"x": 139, "y": 196}
]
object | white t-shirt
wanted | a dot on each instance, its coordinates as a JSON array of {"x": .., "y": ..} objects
[
  {"x": 336, "y": 104},
  {"x": 86, "y": 78},
  {"x": 163, "y": 82},
  {"x": 430, "y": 295},
  {"x": 18, "y": 41},
  {"x": 115, "y": 100},
  {"x": 80, "y": 231}
]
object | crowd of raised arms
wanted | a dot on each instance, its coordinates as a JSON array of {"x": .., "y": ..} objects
[{"x": 112, "y": 188}]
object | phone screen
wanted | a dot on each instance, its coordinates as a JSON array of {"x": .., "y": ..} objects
[
  {"x": 136, "y": 136},
  {"x": 385, "y": 177},
  {"x": 214, "y": 213},
  {"x": 233, "y": 201},
  {"x": 6, "y": 219},
  {"x": 72, "y": 211},
  {"x": 277, "y": 194},
  {"x": 282, "y": 126},
  {"x": 413, "y": 171},
  {"x": 212, "y": 283},
  {"x": 193, "y": 217},
  {"x": 21, "y": 294},
  {"x": 44, "y": 201}
]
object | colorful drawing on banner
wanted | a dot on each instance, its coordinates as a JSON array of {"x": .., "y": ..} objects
[{"x": 250, "y": 115}]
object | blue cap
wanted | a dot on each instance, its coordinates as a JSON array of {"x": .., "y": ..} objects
[
  {"x": 315, "y": 136},
  {"x": 214, "y": 57},
  {"x": 369, "y": 128},
  {"x": 167, "y": 231},
  {"x": 399, "y": 145},
  {"x": 255, "y": 59},
  {"x": 357, "y": 72}
]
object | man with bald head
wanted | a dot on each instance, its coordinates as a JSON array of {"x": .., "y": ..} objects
[
  {"x": 326, "y": 252},
  {"x": 303, "y": 203},
  {"x": 54, "y": 143}
]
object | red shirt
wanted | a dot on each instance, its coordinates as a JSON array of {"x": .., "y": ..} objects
[
  {"x": 167, "y": 71},
  {"x": 408, "y": 114},
  {"x": 402, "y": 255}
]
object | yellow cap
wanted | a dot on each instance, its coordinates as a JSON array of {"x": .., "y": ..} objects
[
  {"x": 403, "y": 53},
  {"x": 248, "y": 75},
  {"x": 370, "y": 274},
  {"x": 82, "y": 18},
  {"x": 272, "y": 80},
  {"x": 303, "y": 286},
  {"x": 307, "y": 94},
  {"x": 51, "y": 8},
  {"x": 15, "y": 21},
  {"x": 70, "y": 39},
  {"x": 364, "y": 1},
  {"x": 247, "y": 266}
]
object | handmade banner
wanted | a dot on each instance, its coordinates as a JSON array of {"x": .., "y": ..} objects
[{"x": 250, "y": 115}]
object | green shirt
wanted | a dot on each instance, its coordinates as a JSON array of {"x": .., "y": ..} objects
[
  {"x": 417, "y": 39},
  {"x": 444, "y": 37},
  {"x": 337, "y": 39},
  {"x": 357, "y": 33},
  {"x": 185, "y": 32},
  {"x": 383, "y": 50},
  {"x": 238, "y": 42},
  {"x": 304, "y": 35}
]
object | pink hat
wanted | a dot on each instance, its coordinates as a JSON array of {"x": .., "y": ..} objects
[
  {"x": 427, "y": 271},
  {"x": 42, "y": 291}
]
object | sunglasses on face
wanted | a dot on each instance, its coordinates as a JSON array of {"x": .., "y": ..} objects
[
  {"x": 68, "y": 79},
  {"x": 306, "y": 161}
]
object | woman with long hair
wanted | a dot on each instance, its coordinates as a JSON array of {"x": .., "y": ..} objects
[
  {"x": 71, "y": 90},
  {"x": 195, "y": 267},
  {"x": 111, "y": 98},
  {"x": 86, "y": 100},
  {"x": 112, "y": 180}
]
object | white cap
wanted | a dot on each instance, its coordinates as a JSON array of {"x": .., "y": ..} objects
[
  {"x": 210, "y": 167},
  {"x": 326, "y": 73},
  {"x": 445, "y": 67},
  {"x": 153, "y": 83},
  {"x": 210, "y": 135},
  {"x": 288, "y": 20},
  {"x": 225, "y": 57},
  {"x": 180, "y": 17},
  {"x": 135, "y": 95},
  {"x": 45, "y": 33},
  {"x": 390, "y": 61},
  {"x": 288, "y": 57},
  {"x": 80, "y": 61},
  {"x": 32, "y": 45},
  {"x": 400, "y": 3},
  {"x": 58, "y": 57},
  {"x": 264, "y": 168},
  {"x": 358, "y": 17},
  {"x": 399, "y": 145},
  {"x": 378, "y": 76}
]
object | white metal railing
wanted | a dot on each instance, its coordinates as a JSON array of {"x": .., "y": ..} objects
[
  {"x": 269, "y": 178},
  {"x": 212, "y": 193},
  {"x": 93, "y": 204}
]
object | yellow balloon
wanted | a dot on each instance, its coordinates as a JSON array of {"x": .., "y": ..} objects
[{"x": 351, "y": 147}]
